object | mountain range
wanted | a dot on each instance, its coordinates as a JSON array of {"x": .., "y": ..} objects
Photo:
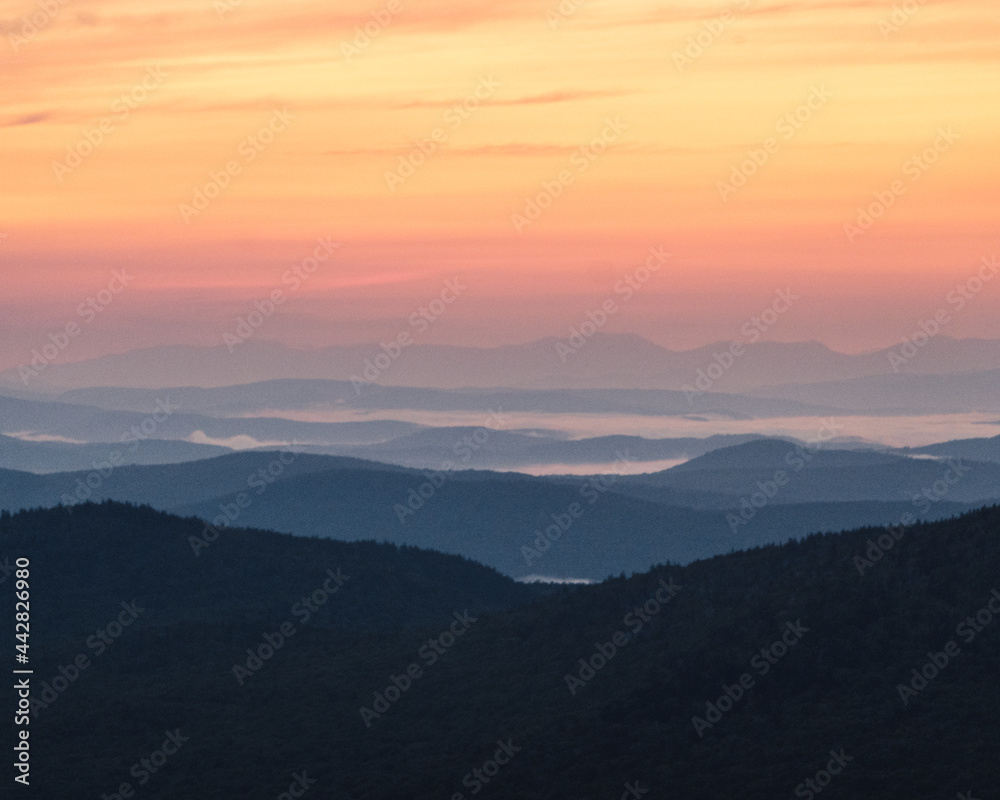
[
  {"x": 375, "y": 672},
  {"x": 565, "y": 527},
  {"x": 614, "y": 361}
]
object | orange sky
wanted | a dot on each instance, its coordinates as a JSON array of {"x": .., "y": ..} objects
[{"x": 608, "y": 101}]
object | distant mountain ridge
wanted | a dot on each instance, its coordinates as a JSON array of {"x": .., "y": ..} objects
[
  {"x": 305, "y": 395},
  {"x": 55, "y": 456},
  {"x": 161, "y": 416},
  {"x": 955, "y": 393},
  {"x": 604, "y": 361},
  {"x": 783, "y": 472},
  {"x": 980, "y": 449}
]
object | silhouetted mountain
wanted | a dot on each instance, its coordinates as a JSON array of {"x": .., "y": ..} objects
[
  {"x": 164, "y": 417},
  {"x": 481, "y": 448},
  {"x": 43, "y": 457},
  {"x": 168, "y": 485},
  {"x": 566, "y": 528},
  {"x": 611, "y": 361},
  {"x": 971, "y": 449},
  {"x": 789, "y": 472},
  {"x": 312, "y": 395},
  {"x": 115, "y": 420},
  {"x": 246, "y": 576},
  {"x": 744, "y": 676},
  {"x": 953, "y": 393}
]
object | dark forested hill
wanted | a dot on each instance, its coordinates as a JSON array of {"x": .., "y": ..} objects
[
  {"x": 862, "y": 664},
  {"x": 182, "y": 571},
  {"x": 581, "y": 527}
]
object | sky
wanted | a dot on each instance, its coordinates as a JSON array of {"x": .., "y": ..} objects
[{"x": 536, "y": 152}]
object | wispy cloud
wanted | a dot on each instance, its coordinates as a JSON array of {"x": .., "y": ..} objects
[{"x": 27, "y": 119}]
